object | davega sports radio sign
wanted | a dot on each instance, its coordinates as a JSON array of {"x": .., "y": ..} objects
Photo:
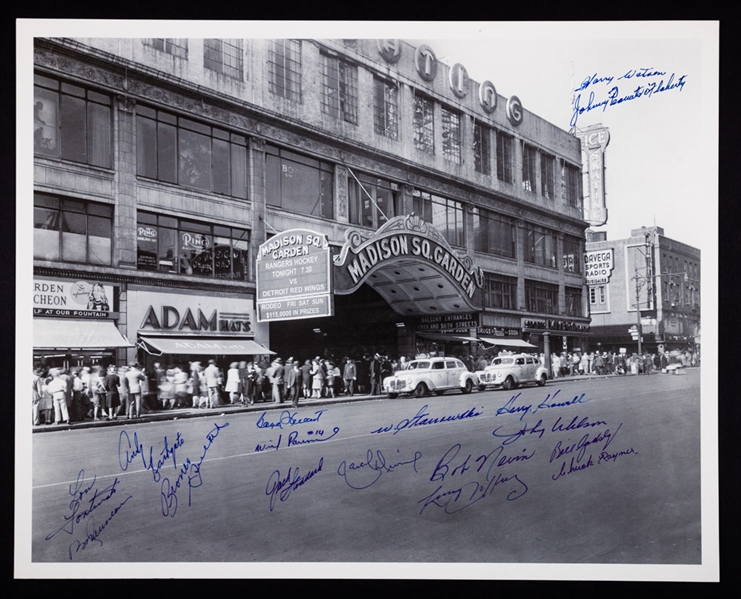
[{"x": 598, "y": 266}]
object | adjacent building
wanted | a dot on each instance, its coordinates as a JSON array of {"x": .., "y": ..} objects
[
  {"x": 162, "y": 165},
  {"x": 646, "y": 285}
]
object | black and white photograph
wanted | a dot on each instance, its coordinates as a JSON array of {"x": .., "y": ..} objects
[{"x": 367, "y": 300}]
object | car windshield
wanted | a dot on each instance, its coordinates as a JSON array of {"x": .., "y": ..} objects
[{"x": 502, "y": 361}]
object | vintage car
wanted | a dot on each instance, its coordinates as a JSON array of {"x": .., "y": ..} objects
[
  {"x": 435, "y": 375},
  {"x": 511, "y": 371}
]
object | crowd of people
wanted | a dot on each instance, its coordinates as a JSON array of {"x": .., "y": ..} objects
[{"x": 95, "y": 393}]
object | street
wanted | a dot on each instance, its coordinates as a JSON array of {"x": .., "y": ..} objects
[{"x": 595, "y": 471}]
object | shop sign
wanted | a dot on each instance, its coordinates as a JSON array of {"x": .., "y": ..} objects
[
  {"x": 554, "y": 324},
  {"x": 499, "y": 332},
  {"x": 73, "y": 299},
  {"x": 146, "y": 238},
  {"x": 514, "y": 110},
  {"x": 598, "y": 266},
  {"x": 425, "y": 62},
  {"x": 403, "y": 237},
  {"x": 180, "y": 314},
  {"x": 488, "y": 96},
  {"x": 448, "y": 323},
  {"x": 594, "y": 141},
  {"x": 294, "y": 276}
]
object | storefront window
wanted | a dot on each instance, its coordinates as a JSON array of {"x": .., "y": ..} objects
[
  {"x": 500, "y": 291},
  {"x": 191, "y": 154},
  {"x": 540, "y": 246},
  {"x": 573, "y": 301},
  {"x": 445, "y": 215},
  {"x": 541, "y": 297},
  {"x": 72, "y": 230},
  {"x": 72, "y": 122},
  {"x": 572, "y": 252},
  {"x": 372, "y": 213},
  {"x": 298, "y": 183},
  {"x": 167, "y": 244},
  {"x": 493, "y": 233}
]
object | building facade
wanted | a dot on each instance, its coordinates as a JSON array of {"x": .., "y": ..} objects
[
  {"x": 163, "y": 165},
  {"x": 658, "y": 275}
]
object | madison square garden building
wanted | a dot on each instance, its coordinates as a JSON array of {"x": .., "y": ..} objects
[{"x": 218, "y": 197}]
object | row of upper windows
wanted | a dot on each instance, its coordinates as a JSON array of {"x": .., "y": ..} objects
[{"x": 500, "y": 292}]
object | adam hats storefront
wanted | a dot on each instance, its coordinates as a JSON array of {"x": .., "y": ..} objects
[
  {"x": 180, "y": 326},
  {"x": 74, "y": 322}
]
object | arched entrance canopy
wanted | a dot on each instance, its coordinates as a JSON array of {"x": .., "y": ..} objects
[{"x": 411, "y": 265}]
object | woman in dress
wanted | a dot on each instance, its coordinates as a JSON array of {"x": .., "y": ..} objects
[
  {"x": 233, "y": 383},
  {"x": 317, "y": 382}
]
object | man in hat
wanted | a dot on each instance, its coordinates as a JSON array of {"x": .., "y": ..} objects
[
  {"x": 293, "y": 382},
  {"x": 58, "y": 389},
  {"x": 375, "y": 374},
  {"x": 277, "y": 379}
]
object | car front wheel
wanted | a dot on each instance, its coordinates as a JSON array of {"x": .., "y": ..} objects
[{"x": 421, "y": 390}]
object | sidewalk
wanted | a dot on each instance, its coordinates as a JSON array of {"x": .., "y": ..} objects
[{"x": 164, "y": 415}]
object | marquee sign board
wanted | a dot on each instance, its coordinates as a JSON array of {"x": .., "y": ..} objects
[{"x": 294, "y": 277}]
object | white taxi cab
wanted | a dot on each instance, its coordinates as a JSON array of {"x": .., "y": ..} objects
[
  {"x": 436, "y": 375},
  {"x": 511, "y": 371}
]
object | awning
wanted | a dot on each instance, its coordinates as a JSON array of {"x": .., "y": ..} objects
[
  {"x": 442, "y": 337},
  {"x": 504, "y": 342},
  {"x": 203, "y": 345},
  {"x": 57, "y": 333}
]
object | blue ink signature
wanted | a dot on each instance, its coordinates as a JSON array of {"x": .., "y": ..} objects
[
  {"x": 287, "y": 419},
  {"x": 471, "y": 492},
  {"x": 282, "y": 487},
  {"x": 576, "y": 463},
  {"x": 269, "y": 445},
  {"x": 317, "y": 438},
  {"x": 375, "y": 463},
  {"x": 614, "y": 98},
  {"x": 168, "y": 490},
  {"x": 510, "y": 438},
  {"x": 130, "y": 453},
  {"x": 92, "y": 532},
  {"x": 593, "y": 80},
  {"x": 510, "y": 408},
  {"x": 94, "y": 497},
  {"x": 420, "y": 419}
]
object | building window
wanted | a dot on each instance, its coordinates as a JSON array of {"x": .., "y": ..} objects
[
  {"x": 540, "y": 246},
  {"x": 451, "y": 122},
  {"x": 71, "y": 122},
  {"x": 298, "y": 183},
  {"x": 571, "y": 176},
  {"x": 541, "y": 297},
  {"x": 284, "y": 68},
  {"x": 191, "y": 154},
  {"x": 481, "y": 148},
  {"x": 573, "y": 250},
  {"x": 573, "y": 301},
  {"x": 505, "y": 157},
  {"x": 500, "y": 291},
  {"x": 224, "y": 56},
  {"x": 598, "y": 299},
  {"x": 494, "y": 234},
  {"x": 528, "y": 168},
  {"x": 385, "y": 108},
  {"x": 175, "y": 46},
  {"x": 547, "y": 170},
  {"x": 340, "y": 89},
  {"x": 445, "y": 215},
  {"x": 424, "y": 131},
  {"x": 178, "y": 246},
  {"x": 386, "y": 202},
  {"x": 71, "y": 230}
]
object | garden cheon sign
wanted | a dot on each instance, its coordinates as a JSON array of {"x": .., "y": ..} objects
[{"x": 411, "y": 265}]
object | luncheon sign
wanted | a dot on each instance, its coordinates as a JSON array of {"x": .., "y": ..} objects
[{"x": 598, "y": 266}]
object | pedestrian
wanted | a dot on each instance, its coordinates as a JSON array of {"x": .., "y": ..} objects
[
  {"x": 233, "y": 383},
  {"x": 293, "y": 382},
  {"x": 306, "y": 378},
  {"x": 317, "y": 380},
  {"x": 123, "y": 393},
  {"x": 277, "y": 380},
  {"x": 180, "y": 382},
  {"x": 134, "y": 377},
  {"x": 112, "y": 384},
  {"x": 57, "y": 387},
  {"x": 212, "y": 383},
  {"x": 556, "y": 365},
  {"x": 350, "y": 375},
  {"x": 375, "y": 375},
  {"x": 167, "y": 390},
  {"x": 37, "y": 393}
]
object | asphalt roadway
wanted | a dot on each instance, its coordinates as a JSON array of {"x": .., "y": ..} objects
[{"x": 602, "y": 470}]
